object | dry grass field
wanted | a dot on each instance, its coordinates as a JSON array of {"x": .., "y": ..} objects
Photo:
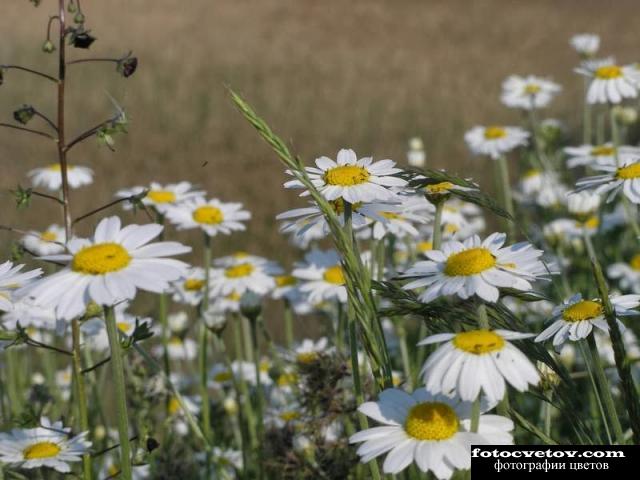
[{"x": 326, "y": 74}]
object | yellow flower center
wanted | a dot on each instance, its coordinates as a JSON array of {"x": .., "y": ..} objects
[
  {"x": 100, "y": 258},
  {"x": 223, "y": 376},
  {"x": 629, "y": 172},
  {"x": 239, "y": 271},
  {"x": 391, "y": 215},
  {"x": 635, "y": 262},
  {"x": 285, "y": 280},
  {"x": 233, "y": 296},
  {"x": 288, "y": 378},
  {"x": 442, "y": 187},
  {"x": 265, "y": 366},
  {"x": 161, "y": 196},
  {"x": 113, "y": 470},
  {"x": 41, "y": 450},
  {"x": 173, "y": 406},
  {"x": 289, "y": 416},
  {"x": 123, "y": 327},
  {"x": 451, "y": 228},
  {"x": 55, "y": 167},
  {"x": 338, "y": 206},
  {"x": 469, "y": 262},
  {"x": 48, "y": 237},
  {"x": 532, "y": 89},
  {"x": 583, "y": 310},
  {"x": 424, "y": 246},
  {"x": 478, "y": 342},
  {"x": 240, "y": 255},
  {"x": 307, "y": 358},
  {"x": 334, "y": 275},
  {"x": 532, "y": 172},
  {"x": 591, "y": 223},
  {"x": 346, "y": 175},
  {"x": 493, "y": 133},
  {"x": 175, "y": 341},
  {"x": 608, "y": 72},
  {"x": 193, "y": 284},
  {"x": 431, "y": 421},
  {"x": 603, "y": 151},
  {"x": 208, "y": 215}
]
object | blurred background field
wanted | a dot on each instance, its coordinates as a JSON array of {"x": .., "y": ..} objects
[{"x": 367, "y": 74}]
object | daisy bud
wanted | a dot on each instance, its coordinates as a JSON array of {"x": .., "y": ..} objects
[
  {"x": 48, "y": 47},
  {"x": 152, "y": 444},
  {"x": 127, "y": 66},
  {"x": 302, "y": 445},
  {"x": 71, "y": 8},
  {"x": 416, "y": 155},
  {"x": 24, "y": 114},
  {"x": 178, "y": 322},
  {"x": 215, "y": 321},
  {"x": 99, "y": 432},
  {"x": 79, "y": 18},
  {"x": 37, "y": 379},
  {"x": 625, "y": 115},
  {"x": 250, "y": 305},
  {"x": 549, "y": 379},
  {"x": 230, "y": 406}
]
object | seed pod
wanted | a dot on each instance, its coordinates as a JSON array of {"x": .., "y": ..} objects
[
  {"x": 48, "y": 47},
  {"x": 24, "y": 114},
  {"x": 127, "y": 66}
]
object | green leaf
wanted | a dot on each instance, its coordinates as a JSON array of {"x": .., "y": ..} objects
[{"x": 531, "y": 428}]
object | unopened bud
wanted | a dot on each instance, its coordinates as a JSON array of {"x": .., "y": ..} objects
[
  {"x": 625, "y": 115},
  {"x": 215, "y": 320},
  {"x": 71, "y": 8},
  {"x": 79, "y": 18},
  {"x": 230, "y": 406},
  {"x": 250, "y": 305},
  {"x": 127, "y": 66},
  {"x": 24, "y": 114},
  {"x": 549, "y": 379},
  {"x": 48, "y": 47},
  {"x": 81, "y": 38}
]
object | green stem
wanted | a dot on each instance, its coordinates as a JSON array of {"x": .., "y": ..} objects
[
  {"x": 202, "y": 351},
  {"x": 259, "y": 399},
  {"x": 404, "y": 353},
  {"x": 594, "y": 388},
  {"x": 586, "y": 116},
  {"x": 475, "y": 415},
  {"x": 164, "y": 325},
  {"x": 483, "y": 319},
  {"x": 117, "y": 366},
  {"x": 81, "y": 393},
  {"x": 436, "y": 238},
  {"x": 507, "y": 197},
  {"x": 288, "y": 323}
]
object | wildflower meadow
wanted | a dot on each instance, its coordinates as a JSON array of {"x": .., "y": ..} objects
[{"x": 446, "y": 313}]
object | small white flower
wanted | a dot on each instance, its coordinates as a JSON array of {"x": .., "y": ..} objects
[
  {"x": 109, "y": 268},
  {"x": 575, "y": 318},
  {"x": 626, "y": 177},
  {"x": 50, "y": 177},
  {"x": 416, "y": 156},
  {"x": 432, "y": 431},
  {"x": 11, "y": 280},
  {"x": 189, "y": 290},
  {"x": 599, "y": 155},
  {"x": 308, "y": 351},
  {"x": 28, "y": 314},
  {"x": 49, "y": 242},
  {"x": 475, "y": 361},
  {"x": 243, "y": 273},
  {"x": 528, "y": 92},
  {"x": 353, "y": 180},
  {"x": 495, "y": 141},
  {"x": 212, "y": 216},
  {"x": 161, "y": 197},
  {"x": 46, "y": 446},
  {"x": 476, "y": 268},
  {"x": 583, "y": 203},
  {"x": 627, "y": 274},
  {"x": 610, "y": 83},
  {"x": 586, "y": 44},
  {"x": 322, "y": 276}
]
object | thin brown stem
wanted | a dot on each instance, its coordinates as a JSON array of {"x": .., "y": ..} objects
[
  {"x": 111, "y": 204},
  {"x": 62, "y": 151},
  {"x": 46, "y": 119},
  {"x": 47, "y": 196},
  {"x": 30, "y": 130},
  {"x": 87, "y": 60},
  {"x": 30, "y": 70},
  {"x": 88, "y": 133}
]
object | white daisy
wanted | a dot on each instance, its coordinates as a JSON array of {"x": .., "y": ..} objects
[
  {"x": 28, "y": 314},
  {"x": 50, "y": 177},
  {"x": 160, "y": 196},
  {"x": 212, "y": 216},
  {"x": 475, "y": 361},
  {"x": 432, "y": 431},
  {"x": 94, "y": 330},
  {"x": 11, "y": 280},
  {"x": 243, "y": 273},
  {"x": 49, "y": 242},
  {"x": 586, "y": 44},
  {"x": 598, "y": 155},
  {"x": 109, "y": 268},
  {"x": 610, "y": 83},
  {"x": 308, "y": 351},
  {"x": 322, "y": 276},
  {"x": 626, "y": 177},
  {"x": 627, "y": 274},
  {"x": 528, "y": 92},
  {"x": 575, "y": 318},
  {"x": 48, "y": 446},
  {"x": 401, "y": 220},
  {"x": 416, "y": 156},
  {"x": 353, "y": 180},
  {"x": 178, "y": 348},
  {"x": 476, "y": 268},
  {"x": 495, "y": 141},
  {"x": 227, "y": 303},
  {"x": 583, "y": 203},
  {"x": 189, "y": 290}
]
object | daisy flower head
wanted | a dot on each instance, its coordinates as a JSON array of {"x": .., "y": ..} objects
[
  {"x": 610, "y": 83},
  {"x": 48, "y": 446},
  {"x": 161, "y": 197},
  {"x": 190, "y": 289},
  {"x": 599, "y": 155},
  {"x": 242, "y": 272},
  {"x": 400, "y": 220},
  {"x": 627, "y": 273},
  {"x": 432, "y": 431},
  {"x": 478, "y": 361},
  {"x": 109, "y": 268},
  {"x": 476, "y": 267},
  {"x": 28, "y": 314},
  {"x": 212, "y": 216},
  {"x": 309, "y": 351},
  {"x": 583, "y": 203},
  {"x": 50, "y": 177},
  {"x": 586, "y": 44},
  {"x": 353, "y": 180},
  {"x": 528, "y": 92},
  {"x": 416, "y": 155},
  {"x": 322, "y": 276},
  {"x": 495, "y": 141},
  {"x": 49, "y": 242},
  {"x": 11, "y": 280},
  {"x": 625, "y": 178},
  {"x": 178, "y": 348},
  {"x": 576, "y": 317}
]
